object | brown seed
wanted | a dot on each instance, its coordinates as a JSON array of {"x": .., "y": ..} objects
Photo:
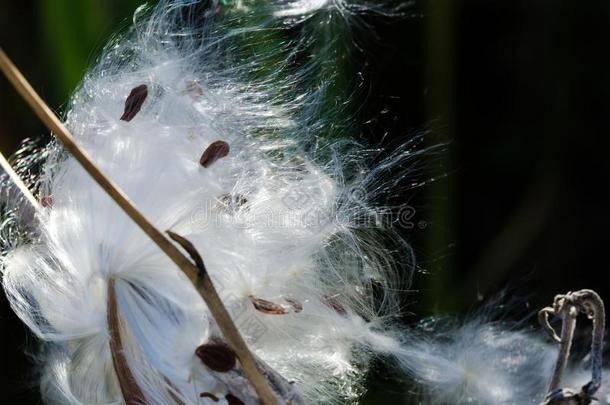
[
  {"x": 232, "y": 202},
  {"x": 216, "y": 150},
  {"x": 233, "y": 400},
  {"x": 332, "y": 302},
  {"x": 194, "y": 89},
  {"x": 46, "y": 201},
  {"x": 217, "y": 356},
  {"x": 296, "y": 305},
  {"x": 209, "y": 395},
  {"x": 134, "y": 102},
  {"x": 268, "y": 307}
]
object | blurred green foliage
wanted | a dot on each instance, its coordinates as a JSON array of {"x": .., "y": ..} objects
[{"x": 75, "y": 32}]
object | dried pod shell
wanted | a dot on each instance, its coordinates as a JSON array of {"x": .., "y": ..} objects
[
  {"x": 268, "y": 307},
  {"x": 216, "y": 150},
  {"x": 217, "y": 356},
  {"x": 134, "y": 102}
]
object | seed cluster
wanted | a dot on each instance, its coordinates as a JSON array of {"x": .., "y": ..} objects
[{"x": 215, "y": 355}]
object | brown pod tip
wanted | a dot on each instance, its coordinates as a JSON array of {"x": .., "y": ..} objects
[
  {"x": 216, "y": 150},
  {"x": 134, "y": 102},
  {"x": 46, "y": 201},
  {"x": 217, "y": 356}
]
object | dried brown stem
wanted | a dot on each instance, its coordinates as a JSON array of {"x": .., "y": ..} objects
[{"x": 203, "y": 284}]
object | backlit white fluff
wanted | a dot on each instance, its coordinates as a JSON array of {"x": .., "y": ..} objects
[
  {"x": 579, "y": 375},
  {"x": 301, "y": 235},
  {"x": 482, "y": 362},
  {"x": 287, "y": 216},
  {"x": 301, "y": 9},
  {"x": 478, "y": 362}
]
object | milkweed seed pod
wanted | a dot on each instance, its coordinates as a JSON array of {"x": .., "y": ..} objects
[{"x": 209, "y": 118}]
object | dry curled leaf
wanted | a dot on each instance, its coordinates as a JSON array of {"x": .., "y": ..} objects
[
  {"x": 217, "y": 356},
  {"x": 268, "y": 307},
  {"x": 216, "y": 150},
  {"x": 134, "y": 102}
]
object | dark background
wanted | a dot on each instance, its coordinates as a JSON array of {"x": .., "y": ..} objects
[{"x": 520, "y": 90}]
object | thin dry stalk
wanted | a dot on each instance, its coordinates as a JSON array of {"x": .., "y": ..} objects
[
  {"x": 6, "y": 167},
  {"x": 568, "y": 306}
]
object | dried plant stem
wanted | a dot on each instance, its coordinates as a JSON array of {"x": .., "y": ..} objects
[
  {"x": 592, "y": 305},
  {"x": 132, "y": 394},
  {"x": 567, "y": 335},
  {"x": 203, "y": 283},
  {"x": 6, "y": 167},
  {"x": 568, "y": 306}
]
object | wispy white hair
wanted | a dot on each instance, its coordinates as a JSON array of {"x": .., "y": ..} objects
[
  {"x": 483, "y": 361},
  {"x": 289, "y": 218},
  {"x": 286, "y": 217},
  {"x": 302, "y": 9},
  {"x": 479, "y": 362}
]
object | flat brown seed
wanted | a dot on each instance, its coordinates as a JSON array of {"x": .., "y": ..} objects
[
  {"x": 209, "y": 395},
  {"x": 232, "y": 202},
  {"x": 134, "y": 102},
  {"x": 233, "y": 400},
  {"x": 217, "y": 356},
  {"x": 332, "y": 302},
  {"x": 268, "y": 307},
  {"x": 191, "y": 250},
  {"x": 46, "y": 201},
  {"x": 194, "y": 89},
  {"x": 296, "y": 305},
  {"x": 216, "y": 150}
]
